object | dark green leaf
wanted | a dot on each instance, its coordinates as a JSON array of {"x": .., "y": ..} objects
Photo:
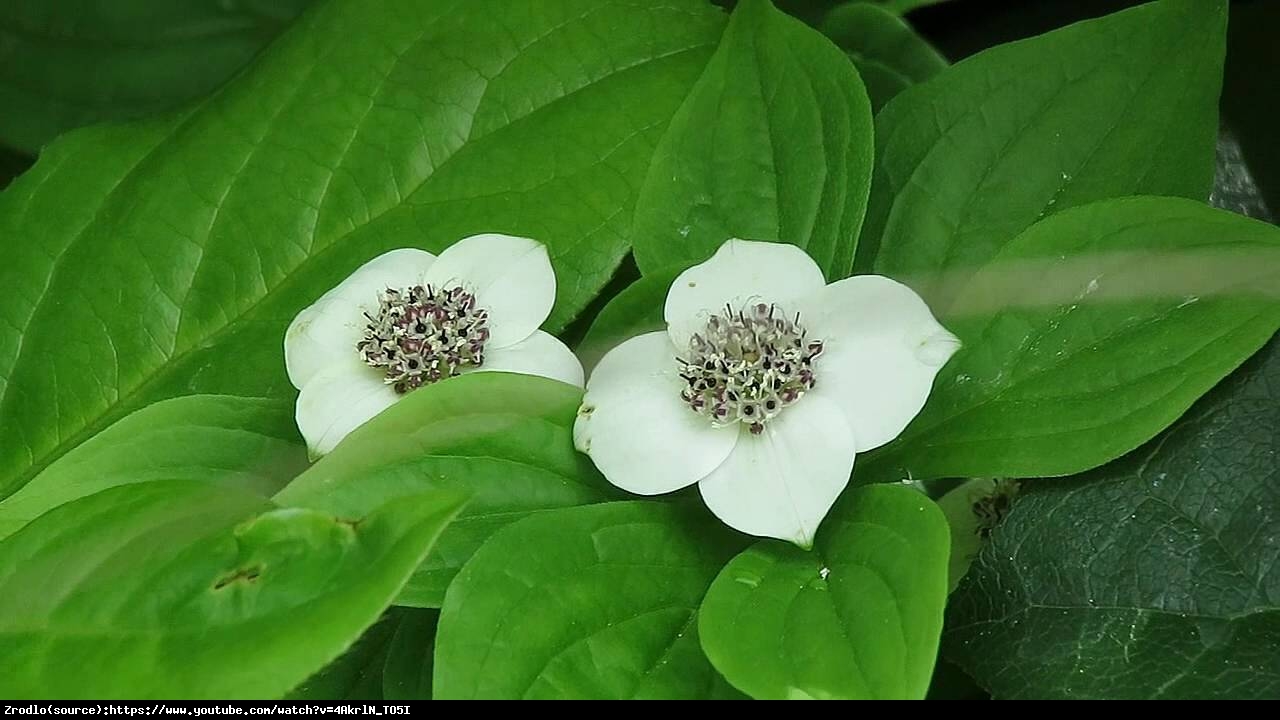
[
  {"x": 245, "y": 443},
  {"x": 148, "y": 261},
  {"x": 590, "y": 602},
  {"x": 1123, "y": 105},
  {"x": 1087, "y": 335},
  {"x": 188, "y": 590},
  {"x": 357, "y": 674},
  {"x": 1157, "y": 576},
  {"x": 889, "y": 55},
  {"x": 635, "y": 311},
  {"x": 507, "y": 440},
  {"x": 408, "y": 669},
  {"x": 69, "y": 63},
  {"x": 858, "y": 617},
  {"x": 773, "y": 143}
]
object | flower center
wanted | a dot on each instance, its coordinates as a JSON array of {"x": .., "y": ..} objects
[
  {"x": 420, "y": 335},
  {"x": 747, "y": 366}
]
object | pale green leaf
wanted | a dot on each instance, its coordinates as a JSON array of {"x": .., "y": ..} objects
[
  {"x": 245, "y": 443},
  {"x": 187, "y": 590}
]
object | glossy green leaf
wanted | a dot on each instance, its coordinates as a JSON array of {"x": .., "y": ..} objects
[
  {"x": 1123, "y": 105},
  {"x": 590, "y": 602},
  {"x": 858, "y": 617},
  {"x": 408, "y": 669},
  {"x": 245, "y": 443},
  {"x": 889, "y": 55},
  {"x": 1157, "y": 576},
  {"x": 634, "y": 311},
  {"x": 773, "y": 143},
  {"x": 507, "y": 440},
  {"x": 69, "y": 63},
  {"x": 1087, "y": 335},
  {"x": 250, "y": 598},
  {"x": 173, "y": 254}
]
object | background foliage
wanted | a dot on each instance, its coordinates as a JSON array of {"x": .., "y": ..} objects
[{"x": 145, "y": 415}]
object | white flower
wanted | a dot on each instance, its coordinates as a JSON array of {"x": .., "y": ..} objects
[
  {"x": 765, "y": 385},
  {"x": 408, "y": 318}
]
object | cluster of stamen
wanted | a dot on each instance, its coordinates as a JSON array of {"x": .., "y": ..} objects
[
  {"x": 746, "y": 366},
  {"x": 420, "y": 335}
]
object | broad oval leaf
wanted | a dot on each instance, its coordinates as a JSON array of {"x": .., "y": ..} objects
[
  {"x": 591, "y": 602},
  {"x": 1087, "y": 335},
  {"x": 172, "y": 264},
  {"x": 245, "y": 443},
  {"x": 858, "y": 617},
  {"x": 1158, "y": 574},
  {"x": 69, "y": 63},
  {"x": 507, "y": 440},
  {"x": 889, "y": 55},
  {"x": 773, "y": 143},
  {"x": 1123, "y": 105},
  {"x": 253, "y": 599}
]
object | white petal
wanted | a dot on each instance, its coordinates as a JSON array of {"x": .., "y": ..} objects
[
  {"x": 635, "y": 427},
  {"x": 331, "y": 327},
  {"x": 339, "y": 399},
  {"x": 741, "y": 272},
  {"x": 539, "y": 354},
  {"x": 511, "y": 278},
  {"x": 882, "y": 350},
  {"x": 782, "y": 482}
]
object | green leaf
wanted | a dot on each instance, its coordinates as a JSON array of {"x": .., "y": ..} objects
[
  {"x": 69, "y": 63},
  {"x": 407, "y": 674},
  {"x": 1087, "y": 335},
  {"x": 1157, "y": 576},
  {"x": 636, "y": 310},
  {"x": 773, "y": 143},
  {"x": 390, "y": 661},
  {"x": 1124, "y": 105},
  {"x": 507, "y": 440},
  {"x": 889, "y": 55},
  {"x": 590, "y": 602},
  {"x": 149, "y": 261},
  {"x": 252, "y": 599},
  {"x": 244, "y": 443},
  {"x": 858, "y": 617},
  {"x": 357, "y": 673}
]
